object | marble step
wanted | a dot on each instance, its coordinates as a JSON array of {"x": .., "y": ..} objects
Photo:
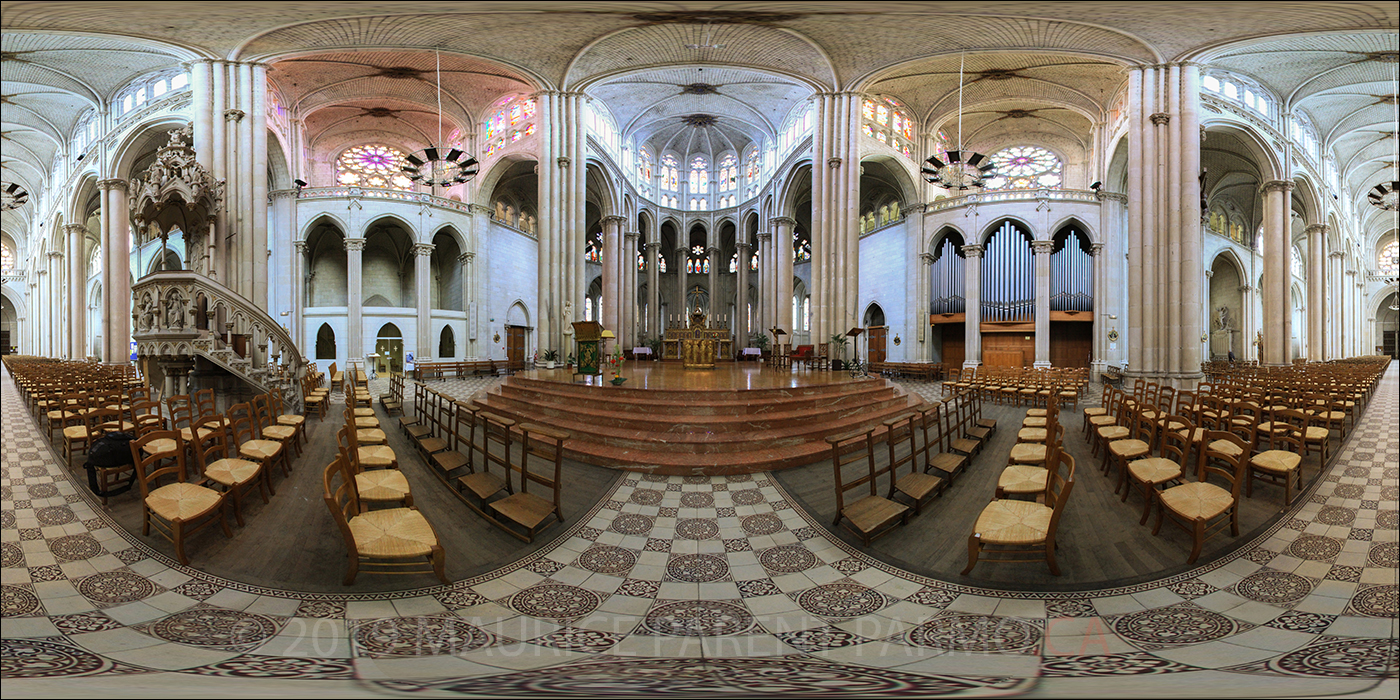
[{"x": 696, "y": 403}]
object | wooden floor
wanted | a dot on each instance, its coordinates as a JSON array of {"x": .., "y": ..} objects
[
  {"x": 292, "y": 543},
  {"x": 1101, "y": 543},
  {"x": 724, "y": 376}
]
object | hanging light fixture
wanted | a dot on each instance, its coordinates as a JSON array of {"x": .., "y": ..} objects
[
  {"x": 963, "y": 170},
  {"x": 12, "y": 196},
  {"x": 436, "y": 166}
]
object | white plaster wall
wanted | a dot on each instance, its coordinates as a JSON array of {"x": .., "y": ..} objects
[
  {"x": 883, "y": 261},
  {"x": 508, "y": 271}
]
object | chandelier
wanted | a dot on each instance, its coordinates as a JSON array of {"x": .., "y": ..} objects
[
  {"x": 1385, "y": 195},
  {"x": 435, "y": 166},
  {"x": 963, "y": 170},
  {"x": 12, "y": 196}
]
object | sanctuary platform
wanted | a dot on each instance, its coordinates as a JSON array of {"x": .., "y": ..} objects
[{"x": 666, "y": 419}]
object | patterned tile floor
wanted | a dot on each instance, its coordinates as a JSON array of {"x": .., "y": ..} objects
[{"x": 695, "y": 585}]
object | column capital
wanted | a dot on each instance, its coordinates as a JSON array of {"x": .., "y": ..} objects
[
  {"x": 300, "y": 247},
  {"x": 683, "y": 249},
  {"x": 354, "y": 244},
  {"x": 782, "y": 221},
  {"x": 654, "y": 245},
  {"x": 1095, "y": 248},
  {"x": 1042, "y": 247},
  {"x": 1160, "y": 118},
  {"x": 1276, "y": 186},
  {"x": 972, "y": 251},
  {"x": 55, "y": 255},
  {"x": 1351, "y": 272},
  {"x": 480, "y": 209},
  {"x": 743, "y": 245},
  {"x": 112, "y": 184},
  {"x": 713, "y": 248},
  {"x": 1246, "y": 288},
  {"x": 1210, "y": 274},
  {"x": 631, "y": 235},
  {"x": 1119, "y": 197},
  {"x": 234, "y": 115},
  {"x": 1336, "y": 255},
  {"x": 466, "y": 257},
  {"x": 283, "y": 194},
  {"x": 926, "y": 258},
  {"x": 1312, "y": 229},
  {"x": 423, "y": 249},
  {"x": 613, "y": 219},
  {"x": 764, "y": 237},
  {"x": 74, "y": 229}
]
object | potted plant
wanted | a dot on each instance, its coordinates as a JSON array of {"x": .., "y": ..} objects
[
  {"x": 838, "y": 341},
  {"x": 616, "y": 361},
  {"x": 655, "y": 345},
  {"x": 550, "y": 357},
  {"x": 571, "y": 361},
  {"x": 760, "y": 341}
]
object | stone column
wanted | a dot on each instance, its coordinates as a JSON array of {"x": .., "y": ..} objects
[
  {"x": 74, "y": 236},
  {"x": 1277, "y": 250},
  {"x": 46, "y": 318},
  {"x": 682, "y": 254},
  {"x": 1042, "y": 301},
  {"x": 1336, "y": 291},
  {"x": 656, "y": 325},
  {"x": 422, "y": 279},
  {"x": 627, "y": 337},
  {"x": 1248, "y": 324},
  {"x": 257, "y": 186},
  {"x": 740, "y": 322},
  {"x": 299, "y": 300},
  {"x": 467, "y": 260},
  {"x": 610, "y": 306},
  {"x": 782, "y": 273},
  {"x": 762, "y": 321},
  {"x": 354, "y": 298},
  {"x": 1100, "y": 330},
  {"x": 116, "y": 272},
  {"x": 972, "y": 293},
  {"x": 713, "y": 254},
  {"x": 1317, "y": 291},
  {"x": 921, "y": 308}
]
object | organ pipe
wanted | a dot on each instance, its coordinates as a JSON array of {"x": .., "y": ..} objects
[
  {"x": 1008, "y": 276},
  {"x": 948, "y": 279},
  {"x": 1071, "y": 276}
]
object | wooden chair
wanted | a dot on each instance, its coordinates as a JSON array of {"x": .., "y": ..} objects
[
  {"x": 529, "y": 510},
  {"x": 145, "y": 413},
  {"x": 1120, "y": 428},
  {"x": 439, "y": 417},
  {"x": 297, "y": 423},
  {"x": 1011, "y": 529},
  {"x": 962, "y": 413},
  {"x": 365, "y": 436},
  {"x": 872, "y": 515},
  {"x": 313, "y": 398},
  {"x": 1280, "y": 463},
  {"x": 1201, "y": 508},
  {"x": 918, "y": 486},
  {"x": 936, "y": 453},
  {"x": 496, "y": 430},
  {"x": 393, "y": 400},
  {"x": 64, "y": 410},
  {"x": 250, "y": 446},
  {"x": 231, "y": 475},
  {"x": 1137, "y": 446},
  {"x": 1027, "y": 471},
  {"x": 463, "y": 429},
  {"x": 1149, "y": 473},
  {"x": 177, "y": 509},
  {"x": 268, "y": 429},
  {"x": 337, "y": 376},
  {"x": 417, "y": 425},
  {"x": 393, "y": 540},
  {"x": 385, "y": 484}
]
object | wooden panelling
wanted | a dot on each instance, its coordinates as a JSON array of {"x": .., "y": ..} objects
[
  {"x": 1071, "y": 342},
  {"x": 1003, "y": 358},
  {"x": 954, "y": 343},
  {"x": 994, "y": 343}
]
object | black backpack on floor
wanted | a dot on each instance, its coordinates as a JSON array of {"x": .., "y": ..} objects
[{"x": 111, "y": 451}]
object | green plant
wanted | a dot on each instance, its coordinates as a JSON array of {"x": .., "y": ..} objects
[
  {"x": 551, "y": 355},
  {"x": 838, "y": 340},
  {"x": 571, "y": 359},
  {"x": 760, "y": 341}
]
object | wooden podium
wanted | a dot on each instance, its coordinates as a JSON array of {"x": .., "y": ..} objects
[{"x": 587, "y": 337}]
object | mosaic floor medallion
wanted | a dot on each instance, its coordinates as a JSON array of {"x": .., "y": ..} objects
[
  {"x": 34, "y": 658},
  {"x": 606, "y": 559},
  {"x": 300, "y": 668},
  {"x": 1387, "y": 519},
  {"x": 11, "y": 555},
  {"x": 698, "y": 618},
  {"x": 841, "y": 600},
  {"x": 1384, "y": 554},
  {"x": 1315, "y": 548},
  {"x": 787, "y": 559},
  {"x": 761, "y": 524},
  {"x": 17, "y": 602},
  {"x": 215, "y": 628},
  {"x": 420, "y": 636},
  {"x": 1275, "y": 587},
  {"x": 112, "y": 587},
  {"x": 738, "y": 478},
  {"x": 632, "y": 524},
  {"x": 76, "y": 547},
  {"x": 1377, "y": 601},
  {"x": 55, "y": 515},
  {"x": 1351, "y": 658},
  {"x": 982, "y": 633},
  {"x": 697, "y": 499},
  {"x": 555, "y": 601},
  {"x": 697, "y": 568},
  {"x": 696, "y": 529},
  {"x": 42, "y": 491},
  {"x": 1108, "y": 665},
  {"x": 646, "y": 497},
  {"x": 1336, "y": 515},
  {"x": 747, "y": 497},
  {"x": 1177, "y": 624}
]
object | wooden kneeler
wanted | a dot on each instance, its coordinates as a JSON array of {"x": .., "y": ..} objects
[
  {"x": 526, "y": 509},
  {"x": 869, "y": 516},
  {"x": 917, "y": 486},
  {"x": 484, "y": 484}
]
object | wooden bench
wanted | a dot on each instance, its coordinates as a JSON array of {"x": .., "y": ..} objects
[
  {"x": 466, "y": 368},
  {"x": 1113, "y": 375}
]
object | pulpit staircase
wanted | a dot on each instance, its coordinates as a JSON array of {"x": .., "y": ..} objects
[{"x": 178, "y": 315}]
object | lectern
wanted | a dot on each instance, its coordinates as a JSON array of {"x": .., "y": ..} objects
[
  {"x": 854, "y": 335},
  {"x": 587, "y": 336}
]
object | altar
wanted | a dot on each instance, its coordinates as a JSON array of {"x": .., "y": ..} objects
[{"x": 698, "y": 344}]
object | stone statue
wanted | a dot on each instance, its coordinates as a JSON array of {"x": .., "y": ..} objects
[
  {"x": 1222, "y": 318},
  {"x": 174, "y": 312},
  {"x": 568, "y": 312},
  {"x": 529, "y": 224},
  {"x": 510, "y": 216},
  {"x": 500, "y": 211}
]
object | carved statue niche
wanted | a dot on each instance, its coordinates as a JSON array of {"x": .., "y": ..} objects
[
  {"x": 530, "y": 224},
  {"x": 510, "y": 215},
  {"x": 1222, "y": 318},
  {"x": 174, "y": 310},
  {"x": 500, "y": 211},
  {"x": 177, "y": 192},
  {"x": 147, "y": 313}
]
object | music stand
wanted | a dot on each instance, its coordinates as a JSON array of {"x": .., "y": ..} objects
[
  {"x": 778, "y": 334},
  {"x": 854, "y": 335}
]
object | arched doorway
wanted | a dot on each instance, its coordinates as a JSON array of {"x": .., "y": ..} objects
[
  {"x": 388, "y": 345},
  {"x": 1388, "y": 327},
  {"x": 1226, "y": 309},
  {"x": 875, "y": 332},
  {"x": 325, "y": 342},
  {"x": 447, "y": 344}
]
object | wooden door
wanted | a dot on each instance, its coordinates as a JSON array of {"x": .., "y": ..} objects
[
  {"x": 515, "y": 345},
  {"x": 1388, "y": 344},
  {"x": 1071, "y": 343},
  {"x": 954, "y": 343},
  {"x": 875, "y": 343}
]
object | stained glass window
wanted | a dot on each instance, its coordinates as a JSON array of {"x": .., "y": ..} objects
[
  {"x": 801, "y": 250},
  {"x": 728, "y": 173},
  {"x": 1025, "y": 168},
  {"x": 888, "y": 122},
  {"x": 734, "y": 263},
  {"x": 753, "y": 263},
  {"x": 753, "y": 167},
  {"x": 699, "y": 176},
  {"x": 669, "y": 179},
  {"x": 641, "y": 263},
  {"x": 593, "y": 252},
  {"x": 512, "y": 121},
  {"x": 643, "y": 165},
  {"x": 1386, "y": 261},
  {"x": 588, "y": 308},
  {"x": 661, "y": 263},
  {"x": 7, "y": 258},
  {"x": 1295, "y": 262},
  {"x": 373, "y": 166}
]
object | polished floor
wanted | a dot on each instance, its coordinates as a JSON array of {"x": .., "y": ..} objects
[
  {"x": 689, "y": 585},
  {"x": 724, "y": 376}
]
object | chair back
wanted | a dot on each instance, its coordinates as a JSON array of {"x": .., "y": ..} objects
[
  {"x": 180, "y": 410},
  {"x": 204, "y": 402},
  {"x": 146, "y": 416},
  {"x": 213, "y": 441},
  {"x": 102, "y": 420},
  {"x": 545, "y": 443},
  {"x": 1214, "y": 413},
  {"x": 241, "y": 424},
  {"x": 341, "y": 499},
  {"x": 1290, "y": 426},
  {"x": 1217, "y": 462},
  {"x": 147, "y": 473},
  {"x": 854, "y": 443},
  {"x": 1175, "y": 446},
  {"x": 1058, "y": 485},
  {"x": 1143, "y": 426}
]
